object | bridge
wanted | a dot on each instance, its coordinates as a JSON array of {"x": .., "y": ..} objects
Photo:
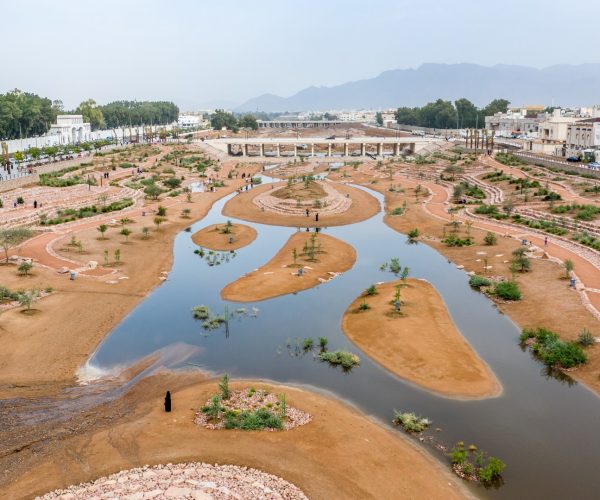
[
  {"x": 294, "y": 124},
  {"x": 314, "y": 146}
]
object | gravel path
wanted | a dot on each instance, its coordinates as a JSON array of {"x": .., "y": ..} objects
[{"x": 198, "y": 481}]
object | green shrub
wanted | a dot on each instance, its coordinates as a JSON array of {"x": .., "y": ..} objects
[
  {"x": 490, "y": 239},
  {"x": 253, "y": 420},
  {"x": 224, "y": 387},
  {"x": 478, "y": 281},
  {"x": 492, "y": 470},
  {"x": 308, "y": 344},
  {"x": 344, "y": 358},
  {"x": 586, "y": 338},
  {"x": 410, "y": 422},
  {"x": 552, "y": 350},
  {"x": 413, "y": 233},
  {"x": 397, "y": 211},
  {"x": 372, "y": 290},
  {"x": 456, "y": 241},
  {"x": 200, "y": 312},
  {"x": 508, "y": 290}
]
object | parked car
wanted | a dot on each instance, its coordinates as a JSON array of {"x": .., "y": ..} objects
[{"x": 573, "y": 159}]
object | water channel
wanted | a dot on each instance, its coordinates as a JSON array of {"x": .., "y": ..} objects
[{"x": 546, "y": 430}]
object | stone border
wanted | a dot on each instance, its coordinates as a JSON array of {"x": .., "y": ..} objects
[{"x": 188, "y": 480}]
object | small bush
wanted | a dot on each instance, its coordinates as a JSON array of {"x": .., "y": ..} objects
[
  {"x": 413, "y": 233},
  {"x": 551, "y": 350},
  {"x": 492, "y": 470},
  {"x": 586, "y": 338},
  {"x": 253, "y": 420},
  {"x": 410, "y": 422},
  {"x": 372, "y": 290},
  {"x": 344, "y": 358},
  {"x": 200, "y": 312},
  {"x": 508, "y": 290},
  {"x": 478, "y": 281},
  {"x": 456, "y": 241},
  {"x": 308, "y": 344},
  {"x": 490, "y": 239},
  {"x": 363, "y": 306}
]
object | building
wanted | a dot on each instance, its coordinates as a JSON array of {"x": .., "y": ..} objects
[
  {"x": 552, "y": 134},
  {"x": 583, "y": 138},
  {"x": 71, "y": 129},
  {"x": 189, "y": 121},
  {"x": 520, "y": 121}
]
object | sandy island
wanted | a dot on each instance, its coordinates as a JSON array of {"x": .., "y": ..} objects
[
  {"x": 279, "y": 275},
  {"x": 422, "y": 345},
  {"x": 242, "y": 207},
  {"x": 213, "y": 237},
  {"x": 314, "y": 457}
]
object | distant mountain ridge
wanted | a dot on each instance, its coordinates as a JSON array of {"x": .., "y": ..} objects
[{"x": 565, "y": 85}]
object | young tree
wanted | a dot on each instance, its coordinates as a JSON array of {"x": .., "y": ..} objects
[
  {"x": 146, "y": 232},
  {"x": 126, "y": 232},
  {"x": 10, "y": 238},
  {"x": 102, "y": 228},
  {"x": 568, "y": 265},
  {"x": 158, "y": 221},
  {"x": 24, "y": 268},
  {"x": 185, "y": 213},
  {"x": 520, "y": 260}
]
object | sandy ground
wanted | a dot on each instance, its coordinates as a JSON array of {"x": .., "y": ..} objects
[
  {"x": 241, "y": 207},
  {"x": 340, "y": 454},
  {"x": 422, "y": 345},
  {"x": 279, "y": 275},
  {"x": 547, "y": 299},
  {"x": 43, "y": 352},
  {"x": 211, "y": 237}
]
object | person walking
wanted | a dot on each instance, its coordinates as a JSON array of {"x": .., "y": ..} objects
[
  {"x": 546, "y": 241},
  {"x": 34, "y": 203},
  {"x": 317, "y": 217}
]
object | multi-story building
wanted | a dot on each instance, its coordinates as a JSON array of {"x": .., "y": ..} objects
[
  {"x": 583, "y": 138},
  {"x": 520, "y": 121}
]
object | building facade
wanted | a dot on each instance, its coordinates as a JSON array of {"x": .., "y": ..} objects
[
  {"x": 71, "y": 129},
  {"x": 523, "y": 121},
  {"x": 583, "y": 137}
]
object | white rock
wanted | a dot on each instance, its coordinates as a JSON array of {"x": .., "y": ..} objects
[{"x": 175, "y": 492}]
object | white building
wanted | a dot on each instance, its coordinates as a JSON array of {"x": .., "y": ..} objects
[
  {"x": 519, "y": 121},
  {"x": 70, "y": 129},
  {"x": 189, "y": 121}
]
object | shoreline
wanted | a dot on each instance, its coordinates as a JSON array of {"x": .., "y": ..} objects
[{"x": 309, "y": 456}]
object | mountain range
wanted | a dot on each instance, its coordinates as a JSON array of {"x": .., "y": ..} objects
[{"x": 560, "y": 85}]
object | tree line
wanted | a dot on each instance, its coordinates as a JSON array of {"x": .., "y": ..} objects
[
  {"x": 445, "y": 114},
  {"x": 222, "y": 119},
  {"x": 23, "y": 114}
]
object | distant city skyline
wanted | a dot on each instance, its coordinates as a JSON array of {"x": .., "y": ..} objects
[{"x": 208, "y": 54}]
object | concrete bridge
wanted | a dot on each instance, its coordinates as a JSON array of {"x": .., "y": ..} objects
[{"x": 314, "y": 146}]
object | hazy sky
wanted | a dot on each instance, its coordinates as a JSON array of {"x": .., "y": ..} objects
[{"x": 203, "y": 52}]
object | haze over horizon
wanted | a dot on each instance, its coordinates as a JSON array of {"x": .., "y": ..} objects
[{"x": 202, "y": 54}]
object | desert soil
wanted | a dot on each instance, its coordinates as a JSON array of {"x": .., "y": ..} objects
[
  {"x": 213, "y": 238},
  {"x": 421, "y": 344},
  {"x": 314, "y": 457},
  {"x": 363, "y": 207},
  {"x": 279, "y": 275}
]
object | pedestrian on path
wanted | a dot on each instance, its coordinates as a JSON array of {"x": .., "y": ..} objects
[{"x": 546, "y": 241}]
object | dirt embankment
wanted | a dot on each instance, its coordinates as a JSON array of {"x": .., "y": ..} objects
[
  {"x": 315, "y": 457},
  {"x": 222, "y": 237},
  {"x": 420, "y": 344},
  {"x": 363, "y": 207},
  {"x": 280, "y": 276}
]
